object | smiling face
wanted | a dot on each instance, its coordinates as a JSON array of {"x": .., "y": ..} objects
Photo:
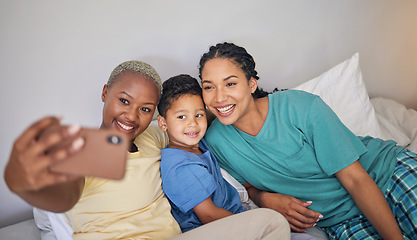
[
  {"x": 185, "y": 122},
  {"x": 226, "y": 90},
  {"x": 129, "y": 104}
]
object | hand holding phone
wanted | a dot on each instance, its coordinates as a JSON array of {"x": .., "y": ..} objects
[{"x": 104, "y": 155}]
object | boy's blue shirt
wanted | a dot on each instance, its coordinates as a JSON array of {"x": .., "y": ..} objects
[{"x": 189, "y": 179}]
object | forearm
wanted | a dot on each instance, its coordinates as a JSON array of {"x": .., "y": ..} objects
[
  {"x": 57, "y": 198},
  {"x": 369, "y": 198},
  {"x": 213, "y": 215},
  {"x": 256, "y": 196},
  {"x": 207, "y": 212}
]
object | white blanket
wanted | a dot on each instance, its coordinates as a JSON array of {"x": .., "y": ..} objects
[{"x": 397, "y": 122}]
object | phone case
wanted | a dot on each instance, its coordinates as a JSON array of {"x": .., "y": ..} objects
[{"x": 103, "y": 155}]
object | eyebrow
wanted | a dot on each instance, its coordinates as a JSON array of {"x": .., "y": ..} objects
[
  {"x": 181, "y": 111},
  {"x": 186, "y": 110},
  {"x": 229, "y": 77},
  {"x": 225, "y": 79},
  {"x": 127, "y": 94}
]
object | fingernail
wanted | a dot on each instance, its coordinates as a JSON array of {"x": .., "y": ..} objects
[
  {"x": 73, "y": 129},
  {"x": 77, "y": 143},
  {"x": 320, "y": 217},
  {"x": 309, "y": 202}
]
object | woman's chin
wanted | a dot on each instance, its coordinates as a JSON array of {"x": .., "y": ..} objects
[{"x": 228, "y": 120}]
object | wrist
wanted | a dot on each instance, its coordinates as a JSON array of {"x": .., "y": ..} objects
[{"x": 263, "y": 199}]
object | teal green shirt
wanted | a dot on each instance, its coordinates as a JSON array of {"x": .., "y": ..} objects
[{"x": 300, "y": 147}]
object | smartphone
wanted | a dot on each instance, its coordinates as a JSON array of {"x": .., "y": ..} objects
[{"x": 104, "y": 155}]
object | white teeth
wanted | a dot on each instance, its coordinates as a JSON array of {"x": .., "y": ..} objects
[
  {"x": 192, "y": 135},
  {"x": 226, "y": 109},
  {"x": 125, "y": 127}
]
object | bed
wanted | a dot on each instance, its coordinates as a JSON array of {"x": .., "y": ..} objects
[{"x": 341, "y": 87}]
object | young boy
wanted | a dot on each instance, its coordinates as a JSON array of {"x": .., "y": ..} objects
[{"x": 191, "y": 176}]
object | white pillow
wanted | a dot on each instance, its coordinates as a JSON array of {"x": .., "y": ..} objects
[{"x": 343, "y": 89}]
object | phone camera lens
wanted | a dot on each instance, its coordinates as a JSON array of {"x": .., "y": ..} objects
[{"x": 114, "y": 139}]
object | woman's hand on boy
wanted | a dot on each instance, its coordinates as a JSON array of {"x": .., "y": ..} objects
[{"x": 294, "y": 210}]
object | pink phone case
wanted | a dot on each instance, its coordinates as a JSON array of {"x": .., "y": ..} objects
[{"x": 103, "y": 155}]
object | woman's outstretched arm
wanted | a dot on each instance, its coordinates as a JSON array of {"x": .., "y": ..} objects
[{"x": 27, "y": 172}]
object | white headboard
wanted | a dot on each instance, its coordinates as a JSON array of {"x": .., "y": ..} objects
[{"x": 55, "y": 56}]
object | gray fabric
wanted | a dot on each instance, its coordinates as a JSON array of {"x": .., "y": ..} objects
[
  {"x": 29, "y": 231},
  {"x": 313, "y": 233},
  {"x": 23, "y": 230}
]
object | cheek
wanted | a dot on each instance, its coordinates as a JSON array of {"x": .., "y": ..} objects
[
  {"x": 110, "y": 107},
  {"x": 106, "y": 111},
  {"x": 145, "y": 119},
  {"x": 207, "y": 96},
  {"x": 203, "y": 127},
  {"x": 111, "y": 110}
]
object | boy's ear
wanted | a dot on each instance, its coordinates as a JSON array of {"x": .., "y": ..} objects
[{"x": 162, "y": 123}]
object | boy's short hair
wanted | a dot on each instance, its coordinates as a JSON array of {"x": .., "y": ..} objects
[{"x": 175, "y": 87}]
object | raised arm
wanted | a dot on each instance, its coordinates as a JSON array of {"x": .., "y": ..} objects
[
  {"x": 27, "y": 172},
  {"x": 370, "y": 200},
  {"x": 207, "y": 212},
  {"x": 294, "y": 210}
]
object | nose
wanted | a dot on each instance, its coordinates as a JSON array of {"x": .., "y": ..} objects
[
  {"x": 131, "y": 114},
  {"x": 192, "y": 122},
  {"x": 220, "y": 95}
]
